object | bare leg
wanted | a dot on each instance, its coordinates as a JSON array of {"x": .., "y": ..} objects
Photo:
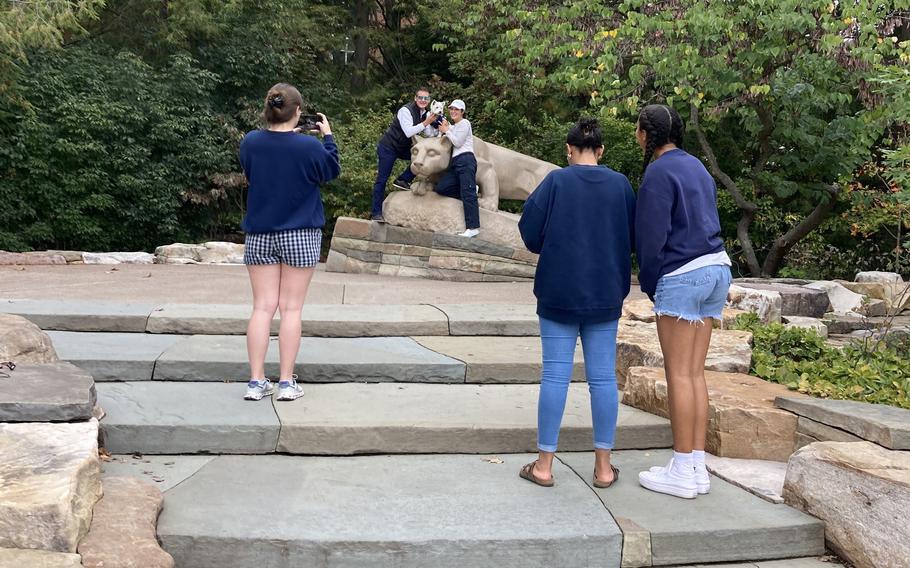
[
  {"x": 543, "y": 468},
  {"x": 700, "y": 387},
  {"x": 294, "y": 285},
  {"x": 265, "y": 280},
  {"x": 602, "y": 465},
  {"x": 677, "y": 338}
]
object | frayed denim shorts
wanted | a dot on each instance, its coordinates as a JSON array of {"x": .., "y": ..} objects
[{"x": 694, "y": 296}]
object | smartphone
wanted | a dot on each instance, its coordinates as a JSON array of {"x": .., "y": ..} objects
[{"x": 309, "y": 122}]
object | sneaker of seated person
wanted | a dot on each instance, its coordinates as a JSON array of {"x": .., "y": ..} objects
[
  {"x": 289, "y": 390},
  {"x": 377, "y": 218},
  {"x": 256, "y": 389},
  {"x": 469, "y": 233},
  {"x": 400, "y": 184}
]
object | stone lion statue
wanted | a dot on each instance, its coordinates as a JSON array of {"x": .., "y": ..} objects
[{"x": 501, "y": 173}]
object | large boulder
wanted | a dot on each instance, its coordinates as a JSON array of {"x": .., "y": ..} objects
[
  {"x": 24, "y": 558},
  {"x": 766, "y": 304},
  {"x": 816, "y": 325},
  {"x": 843, "y": 301},
  {"x": 21, "y": 341},
  {"x": 743, "y": 421},
  {"x": 433, "y": 212},
  {"x": 123, "y": 527},
  {"x": 642, "y": 310},
  {"x": 118, "y": 258},
  {"x": 896, "y": 295},
  {"x": 876, "y": 276},
  {"x": 862, "y": 493},
  {"x": 19, "y": 258},
  {"x": 637, "y": 346},
  {"x": 213, "y": 252},
  {"x": 795, "y": 300},
  {"x": 51, "y": 480}
]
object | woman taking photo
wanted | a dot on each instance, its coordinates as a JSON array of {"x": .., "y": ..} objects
[
  {"x": 684, "y": 269},
  {"x": 580, "y": 221},
  {"x": 283, "y": 227}
]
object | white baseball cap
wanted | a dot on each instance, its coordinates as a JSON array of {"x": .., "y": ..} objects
[{"x": 457, "y": 103}]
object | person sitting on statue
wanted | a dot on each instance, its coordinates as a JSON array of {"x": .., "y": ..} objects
[
  {"x": 460, "y": 180},
  {"x": 411, "y": 119}
]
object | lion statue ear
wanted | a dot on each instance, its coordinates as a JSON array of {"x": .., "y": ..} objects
[
  {"x": 414, "y": 140},
  {"x": 446, "y": 143}
]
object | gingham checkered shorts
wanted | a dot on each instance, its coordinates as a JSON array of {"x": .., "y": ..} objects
[{"x": 296, "y": 247}]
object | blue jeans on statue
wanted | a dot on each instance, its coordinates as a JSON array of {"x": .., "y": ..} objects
[
  {"x": 385, "y": 158},
  {"x": 598, "y": 342}
]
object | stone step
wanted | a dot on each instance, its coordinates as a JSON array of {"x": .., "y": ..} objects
[
  {"x": 349, "y": 419},
  {"x": 454, "y": 510},
  {"x": 46, "y": 392},
  {"x": 143, "y": 357},
  {"x": 318, "y": 320}
]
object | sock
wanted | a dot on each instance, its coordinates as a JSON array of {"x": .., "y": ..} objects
[
  {"x": 683, "y": 459},
  {"x": 698, "y": 456}
]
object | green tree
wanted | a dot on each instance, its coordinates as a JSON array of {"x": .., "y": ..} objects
[{"x": 779, "y": 93}]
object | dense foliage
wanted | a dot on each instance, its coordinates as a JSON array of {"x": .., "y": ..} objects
[
  {"x": 871, "y": 371},
  {"x": 120, "y": 119}
]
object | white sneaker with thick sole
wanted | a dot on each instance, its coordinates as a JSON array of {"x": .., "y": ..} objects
[
  {"x": 670, "y": 480},
  {"x": 702, "y": 479},
  {"x": 289, "y": 390},
  {"x": 255, "y": 390},
  {"x": 469, "y": 233}
]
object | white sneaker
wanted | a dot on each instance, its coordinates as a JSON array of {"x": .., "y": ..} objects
[
  {"x": 702, "y": 479},
  {"x": 289, "y": 390},
  {"x": 469, "y": 233},
  {"x": 671, "y": 479},
  {"x": 255, "y": 390}
]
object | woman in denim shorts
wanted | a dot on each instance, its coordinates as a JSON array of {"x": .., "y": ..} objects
[
  {"x": 283, "y": 227},
  {"x": 684, "y": 269}
]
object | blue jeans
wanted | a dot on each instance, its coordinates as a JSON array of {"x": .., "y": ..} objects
[
  {"x": 694, "y": 295},
  {"x": 460, "y": 182},
  {"x": 385, "y": 162},
  {"x": 598, "y": 340}
]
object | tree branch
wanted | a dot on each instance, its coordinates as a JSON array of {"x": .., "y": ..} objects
[
  {"x": 785, "y": 242},
  {"x": 747, "y": 208}
]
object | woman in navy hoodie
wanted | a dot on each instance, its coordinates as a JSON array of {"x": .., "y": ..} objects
[
  {"x": 684, "y": 269},
  {"x": 580, "y": 221},
  {"x": 283, "y": 226}
]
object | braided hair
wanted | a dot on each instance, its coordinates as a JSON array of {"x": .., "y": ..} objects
[{"x": 662, "y": 125}]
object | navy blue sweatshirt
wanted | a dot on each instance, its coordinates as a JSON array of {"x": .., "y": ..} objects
[
  {"x": 676, "y": 219},
  {"x": 285, "y": 170},
  {"x": 580, "y": 219}
]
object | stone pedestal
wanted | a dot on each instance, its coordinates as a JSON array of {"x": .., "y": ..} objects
[{"x": 368, "y": 247}]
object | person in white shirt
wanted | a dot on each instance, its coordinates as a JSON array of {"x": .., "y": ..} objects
[
  {"x": 460, "y": 180},
  {"x": 395, "y": 144}
]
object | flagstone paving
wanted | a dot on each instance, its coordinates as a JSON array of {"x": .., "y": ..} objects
[{"x": 345, "y": 419}]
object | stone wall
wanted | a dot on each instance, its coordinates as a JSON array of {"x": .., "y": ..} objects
[{"x": 368, "y": 247}]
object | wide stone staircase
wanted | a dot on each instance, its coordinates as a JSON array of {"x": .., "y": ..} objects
[{"x": 404, "y": 451}]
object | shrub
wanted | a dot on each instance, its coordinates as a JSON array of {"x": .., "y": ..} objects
[
  {"x": 108, "y": 152},
  {"x": 803, "y": 361}
]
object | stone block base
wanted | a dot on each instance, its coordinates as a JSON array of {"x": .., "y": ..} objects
[{"x": 367, "y": 247}]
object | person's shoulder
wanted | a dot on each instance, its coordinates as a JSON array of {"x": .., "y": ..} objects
[{"x": 252, "y": 135}]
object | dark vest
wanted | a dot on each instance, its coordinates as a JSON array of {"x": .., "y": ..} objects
[{"x": 394, "y": 136}]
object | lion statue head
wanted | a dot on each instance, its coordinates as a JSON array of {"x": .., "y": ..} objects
[{"x": 430, "y": 156}]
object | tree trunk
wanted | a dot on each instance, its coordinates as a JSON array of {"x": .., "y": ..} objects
[{"x": 360, "y": 17}]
